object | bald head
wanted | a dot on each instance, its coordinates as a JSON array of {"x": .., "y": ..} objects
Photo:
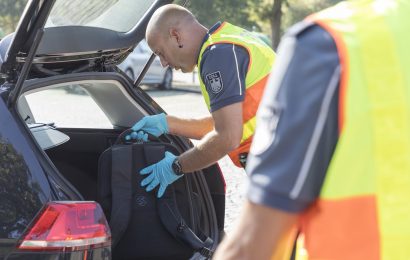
[
  {"x": 167, "y": 17},
  {"x": 175, "y": 35}
]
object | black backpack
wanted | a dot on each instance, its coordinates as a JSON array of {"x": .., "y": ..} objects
[{"x": 143, "y": 226}]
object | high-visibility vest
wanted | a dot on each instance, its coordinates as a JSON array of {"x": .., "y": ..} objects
[
  {"x": 261, "y": 58},
  {"x": 363, "y": 210}
]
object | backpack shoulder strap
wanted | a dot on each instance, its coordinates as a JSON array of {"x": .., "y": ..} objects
[
  {"x": 121, "y": 186},
  {"x": 173, "y": 222},
  {"x": 170, "y": 215}
]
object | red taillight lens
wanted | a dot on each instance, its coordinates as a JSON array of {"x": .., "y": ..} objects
[{"x": 68, "y": 226}]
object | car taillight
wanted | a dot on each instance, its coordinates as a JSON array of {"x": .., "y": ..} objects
[{"x": 68, "y": 226}]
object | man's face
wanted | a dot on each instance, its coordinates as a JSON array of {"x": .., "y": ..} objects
[{"x": 169, "y": 53}]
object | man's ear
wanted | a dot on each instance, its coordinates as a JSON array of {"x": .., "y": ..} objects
[{"x": 175, "y": 34}]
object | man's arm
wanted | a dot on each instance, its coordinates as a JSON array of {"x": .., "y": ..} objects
[
  {"x": 190, "y": 128},
  {"x": 225, "y": 137},
  {"x": 260, "y": 233},
  {"x": 222, "y": 132}
]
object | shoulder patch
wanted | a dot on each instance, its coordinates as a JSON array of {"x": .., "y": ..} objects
[{"x": 215, "y": 82}]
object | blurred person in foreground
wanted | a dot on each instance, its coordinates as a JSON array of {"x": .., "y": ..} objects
[
  {"x": 331, "y": 153},
  {"x": 233, "y": 67}
]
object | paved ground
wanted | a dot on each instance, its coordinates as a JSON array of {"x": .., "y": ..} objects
[{"x": 191, "y": 104}]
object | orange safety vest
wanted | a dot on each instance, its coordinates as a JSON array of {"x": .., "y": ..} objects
[
  {"x": 363, "y": 209},
  {"x": 261, "y": 58}
]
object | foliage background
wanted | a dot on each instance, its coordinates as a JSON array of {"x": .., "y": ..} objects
[
  {"x": 10, "y": 11},
  {"x": 271, "y": 17}
]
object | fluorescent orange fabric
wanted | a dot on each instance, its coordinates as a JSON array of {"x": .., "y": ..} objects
[
  {"x": 252, "y": 98},
  {"x": 333, "y": 229}
]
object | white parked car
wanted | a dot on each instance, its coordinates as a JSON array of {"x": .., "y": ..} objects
[{"x": 156, "y": 74}]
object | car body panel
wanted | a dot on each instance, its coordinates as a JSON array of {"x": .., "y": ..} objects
[
  {"x": 95, "y": 254},
  {"x": 24, "y": 186}
]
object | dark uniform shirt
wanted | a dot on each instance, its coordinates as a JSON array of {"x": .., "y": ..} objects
[
  {"x": 229, "y": 62},
  {"x": 297, "y": 125}
]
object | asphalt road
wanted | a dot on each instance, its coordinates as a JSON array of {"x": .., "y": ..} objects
[{"x": 190, "y": 104}]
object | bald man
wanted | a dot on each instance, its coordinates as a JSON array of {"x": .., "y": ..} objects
[{"x": 233, "y": 66}]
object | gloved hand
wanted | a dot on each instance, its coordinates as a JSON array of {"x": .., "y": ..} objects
[
  {"x": 155, "y": 125},
  {"x": 137, "y": 136},
  {"x": 160, "y": 173}
]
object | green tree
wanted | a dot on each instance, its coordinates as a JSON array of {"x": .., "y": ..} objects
[
  {"x": 275, "y": 16},
  {"x": 210, "y": 11},
  {"x": 297, "y": 10},
  {"x": 268, "y": 14}
]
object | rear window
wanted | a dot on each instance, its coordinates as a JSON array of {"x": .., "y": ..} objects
[
  {"x": 116, "y": 15},
  {"x": 24, "y": 187}
]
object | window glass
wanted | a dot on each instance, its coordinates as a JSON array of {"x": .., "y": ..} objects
[
  {"x": 24, "y": 187},
  {"x": 67, "y": 106},
  {"x": 116, "y": 15}
]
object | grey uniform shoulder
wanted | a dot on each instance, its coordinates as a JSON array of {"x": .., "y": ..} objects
[
  {"x": 299, "y": 28},
  {"x": 223, "y": 71},
  {"x": 297, "y": 126}
]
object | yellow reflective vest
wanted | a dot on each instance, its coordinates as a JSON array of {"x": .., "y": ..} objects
[
  {"x": 261, "y": 58},
  {"x": 363, "y": 210}
]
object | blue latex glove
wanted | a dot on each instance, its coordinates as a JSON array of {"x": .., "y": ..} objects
[
  {"x": 160, "y": 173},
  {"x": 137, "y": 136},
  {"x": 155, "y": 125}
]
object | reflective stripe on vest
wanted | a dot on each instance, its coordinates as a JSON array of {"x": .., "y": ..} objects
[
  {"x": 362, "y": 211},
  {"x": 261, "y": 59}
]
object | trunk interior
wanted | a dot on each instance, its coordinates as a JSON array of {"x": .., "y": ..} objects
[
  {"x": 199, "y": 197},
  {"x": 78, "y": 161}
]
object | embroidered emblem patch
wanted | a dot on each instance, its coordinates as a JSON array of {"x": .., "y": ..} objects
[{"x": 215, "y": 82}]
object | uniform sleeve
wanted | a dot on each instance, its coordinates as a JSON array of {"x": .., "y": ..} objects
[
  {"x": 223, "y": 71},
  {"x": 297, "y": 122}
]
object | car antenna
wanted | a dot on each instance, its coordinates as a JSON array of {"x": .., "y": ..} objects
[
  {"x": 137, "y": 82},
  {"x": 15, "y": 93}
]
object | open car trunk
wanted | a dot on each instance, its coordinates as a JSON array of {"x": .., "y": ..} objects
[
  {"x": 61, "y": 74},
  {"x": 75, "y": 118}
]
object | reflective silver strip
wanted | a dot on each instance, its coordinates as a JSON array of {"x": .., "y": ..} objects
[
  {"x": 28, "y": 244},
  {"x": 317, "y": 132},
  {"x": 237, "y": 69}
]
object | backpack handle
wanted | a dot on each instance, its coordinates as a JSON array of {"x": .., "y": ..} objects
[{"x": 121, "y": 138}]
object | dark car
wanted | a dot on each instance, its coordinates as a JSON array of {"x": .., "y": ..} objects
[{"x": 51, "y": 141}]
